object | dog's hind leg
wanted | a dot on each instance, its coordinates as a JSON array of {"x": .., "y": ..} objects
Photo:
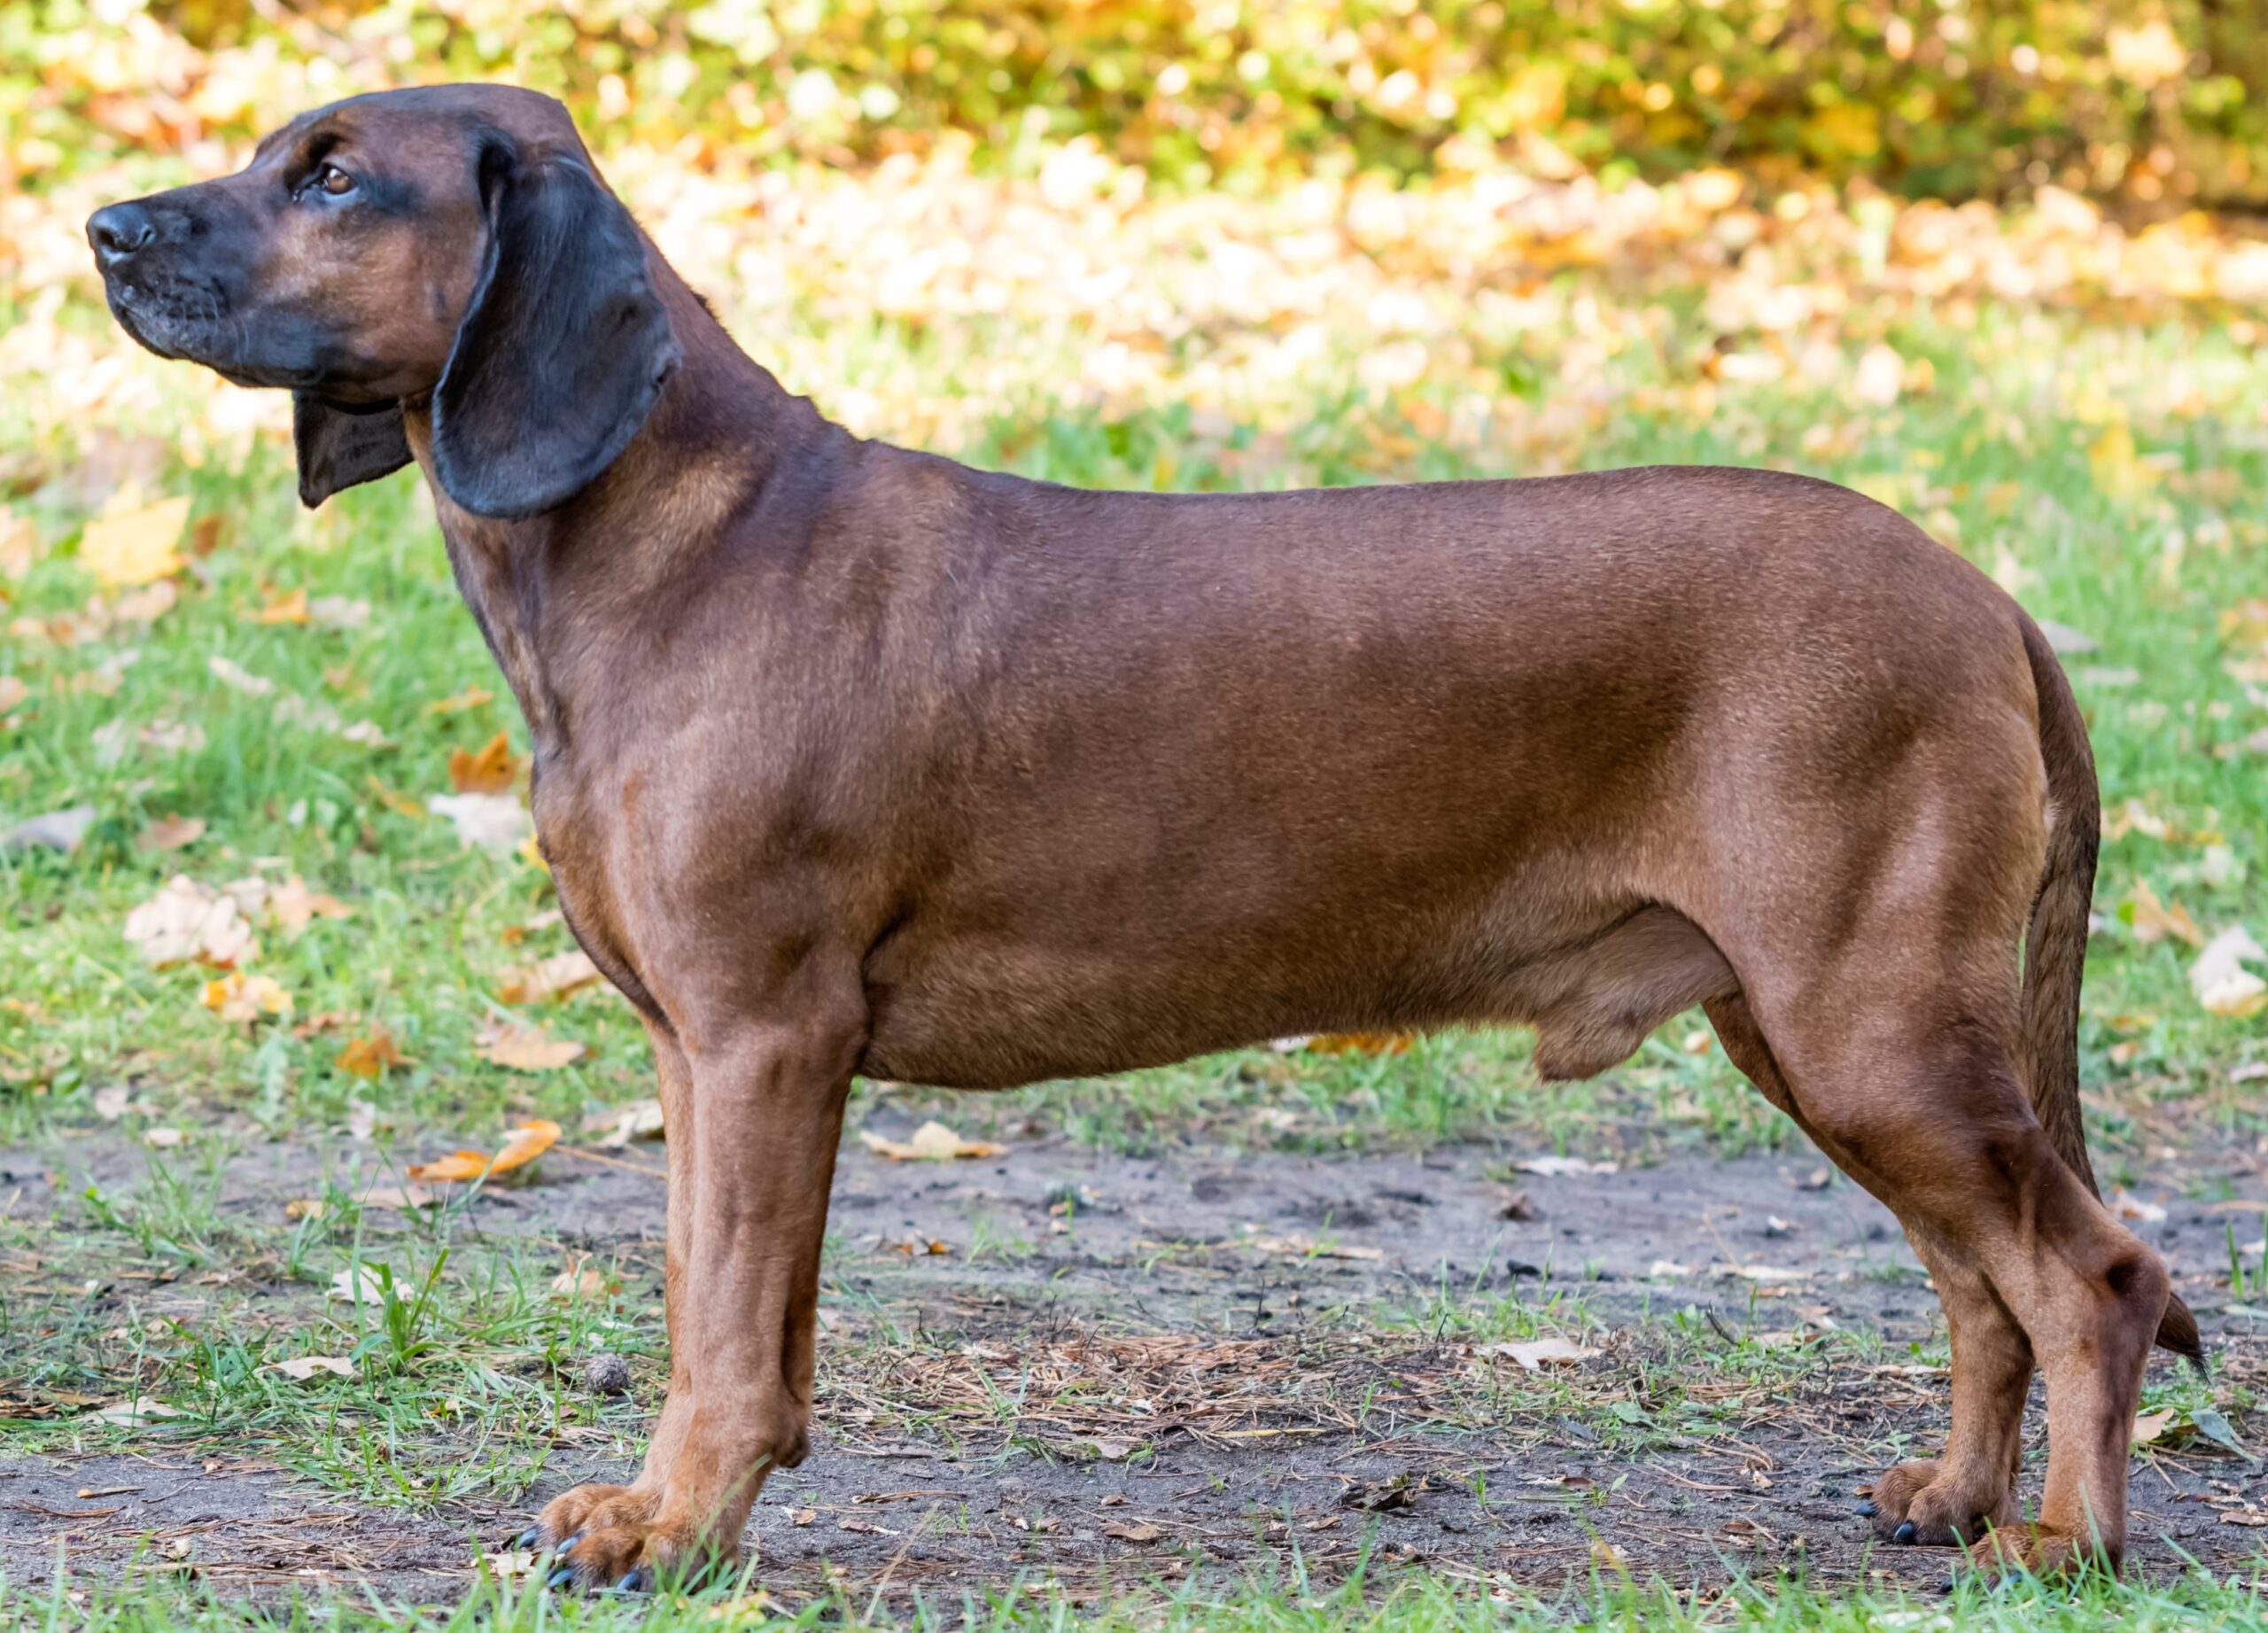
[
  {"x": 1918, "y": 1099},
  {"x": 1953, "y": 1497}
]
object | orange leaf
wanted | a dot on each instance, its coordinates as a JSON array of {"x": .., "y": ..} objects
[
  {"x": 525, "y": 1143},
  {"x": 1361, "y": 1043},
  {"x": 491, "y": 771},
  {"x": 289, "y": 607},
  {"x": 371, "y": 1056}
]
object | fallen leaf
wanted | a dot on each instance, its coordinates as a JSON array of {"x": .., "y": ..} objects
[
  {"x": 185, "y": 922},
  {"x": 802, "y": 1516},
  {"x": 2154, "y": 921},
  {"x": 1535, "y": 1355},
  {"x": 399, "y": 1197},
  {"x": 1764, "y": 1273},
  {"x": 242, "y": 1000},
  {"x": 471, "y": 697},
  {"x": 12, "y": 691},
  {"x": 494, "y": 822},
  {"x": 490, "y": 770},
  {"x": 1563, "y": 1167},
  {"x": 521, "y": 1046},
  {"x": 339, "y": 612},
  {"x": 170, "y": 832},
  {"x": 1133, "y": 1531},
  {"x": 137, "y": 1412},
  {"x": 236, "y": 677},
  {"x": 135, "y": 546},
  {"x": 932, "y": 1142},
  {"x": 524, "y": 1144},
  {"x": 2216, "y": 1428},
  {"x": 370, "y": 1057},
  {"x": 304, "y": 1208},
  {"x": 164, "y": 1138},
  {"x": 552, "y": 978},
  {"x": 293, "y": 907},
  {"x": 1300, "y": 1248},
  {"x": 2223, "y": 986},
  {"x": 1376, "y": 1496},
  {"x": 359, "y": 1282},
  {"x": 2150, "y": 1425},
  {"x": 289, "y": 608},
  {"x": 638, "y": 1120},
  {"x": 512, "y": 1563},
  {"x": 2128, "y": 1206},
  {"x": 581, "y": 1279},
  {"x": 55, "y": 830},
  {"x": 113, "y": 1100},
  {"x": 1361, "y": 1043},
  {"x": 2252, "y": 1517},
  {"x": 301, "y": 1368}
]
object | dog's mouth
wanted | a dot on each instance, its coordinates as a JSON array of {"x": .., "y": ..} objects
[{"x": 188, "y": 322}]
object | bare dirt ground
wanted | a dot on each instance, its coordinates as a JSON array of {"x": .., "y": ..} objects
[{"x": 1126, "y": 1370}]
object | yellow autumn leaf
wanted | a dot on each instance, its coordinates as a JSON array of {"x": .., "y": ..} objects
[
  {"x": 137, "y": 546},
  {"x": 522, "y": 1146},
  {"x": 932, "y": 1142},
  {"x": 243, "y": 999},
  {"x": 522, "y": 1047}
]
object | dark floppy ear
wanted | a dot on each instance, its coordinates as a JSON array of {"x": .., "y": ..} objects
[
  {"x": 562, "y": 352},
  {"x": 340, "y": 448}
]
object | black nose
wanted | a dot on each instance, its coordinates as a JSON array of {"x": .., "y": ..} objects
[{"x": 117, "y": 230}]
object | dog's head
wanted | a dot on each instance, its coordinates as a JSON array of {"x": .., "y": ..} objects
[{"x": 452, "y": 243}]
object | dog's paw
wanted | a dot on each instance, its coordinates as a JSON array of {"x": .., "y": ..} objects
[
  {"x": 608, "y": 1537},
  {"x": 2040, "y": 1551},
  {"x": 1916, "y": 1504}
]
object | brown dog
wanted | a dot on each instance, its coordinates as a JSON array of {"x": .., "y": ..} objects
[{"x": 851, "y": 759}]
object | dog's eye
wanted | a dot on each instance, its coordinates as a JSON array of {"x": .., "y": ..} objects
[{"x": 334, "y": 180}]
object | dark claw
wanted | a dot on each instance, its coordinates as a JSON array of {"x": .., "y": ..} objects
[
  {"x": 1867, "y": 1511},
  {"x": 635, "y": 1580},
  {"x": 560, "y": 1578},
  {"x": 566, "y": 1544},
  {"x": 529, "y": 1538},
  {"x": 1905, "y": 1532}
]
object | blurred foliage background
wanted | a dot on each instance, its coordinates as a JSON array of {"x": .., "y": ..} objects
[{"x": 2158, "y": 106}]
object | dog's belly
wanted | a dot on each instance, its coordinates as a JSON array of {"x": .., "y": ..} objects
[{"x": 1594, "y": 981}]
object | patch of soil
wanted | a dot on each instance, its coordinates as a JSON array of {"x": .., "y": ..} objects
[{"x": 1126, "y": 1370}]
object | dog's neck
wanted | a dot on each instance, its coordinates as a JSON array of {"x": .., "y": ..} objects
[{"x": 722, "y": 436}]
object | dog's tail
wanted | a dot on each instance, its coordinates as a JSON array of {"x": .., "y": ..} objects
[{"x": 2056, "y": 944}]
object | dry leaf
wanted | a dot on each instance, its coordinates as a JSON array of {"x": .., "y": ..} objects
[
  {"x": 2154, "y": 921},
  {"x": 137, "y": 1412},
  {"x": 185, "y": 922},
  {"x": 1133, "y": 1531},
  {"x": 581, "y": 1280},
  {"x": 242, "y": 1000},
  {"x": 304, "y": 1367},
  {"x": 2128, "y": 1206},
  {"x": 638, "y": 1120},
  {"x": 1764, "y": 1273},
  {"x": 133, "y": 547},
  {"x": 164, "y": 1138},
  {"x": 399, "y": 1197},
  {"x": 12, "y": 691},
  {"x": 2150, "y": 1425},
  {"x": 494, "y": 822},
  {"x": 1302, "y": 1247},
  {"x": 471, "y": 697},
  {"x": 525, "y": 1143},
  {"x": 1537, "y": 1354},
  {"x": 1562, "y": 1167},
  {"x": 147, "y": 604},
  {"x": 1361, "y": 1043},
  {"x": 522, "y": 1047},
  {"x": 236, "y": 677},
  {"x": 802, "y": 1516},
  {"x": 491, "y": 770},
  {"x": 303, "y": 1208},
  {"x": 370, "y": 1057},
  {"x": 293, "y": 907},
  {"x": 359, "y": 1282},
  {"x": 552, "y": 978},
  {"x": 932, "y": 1142},
  {"x": 2222, "y": 982},
  {"x": 170, "y": 832},
  {"x": 339, "y": 612},
  {"x": 289, "y": 608}
]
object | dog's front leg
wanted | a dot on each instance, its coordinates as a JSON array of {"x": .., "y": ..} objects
[{"x": 750, "y": 1171}]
